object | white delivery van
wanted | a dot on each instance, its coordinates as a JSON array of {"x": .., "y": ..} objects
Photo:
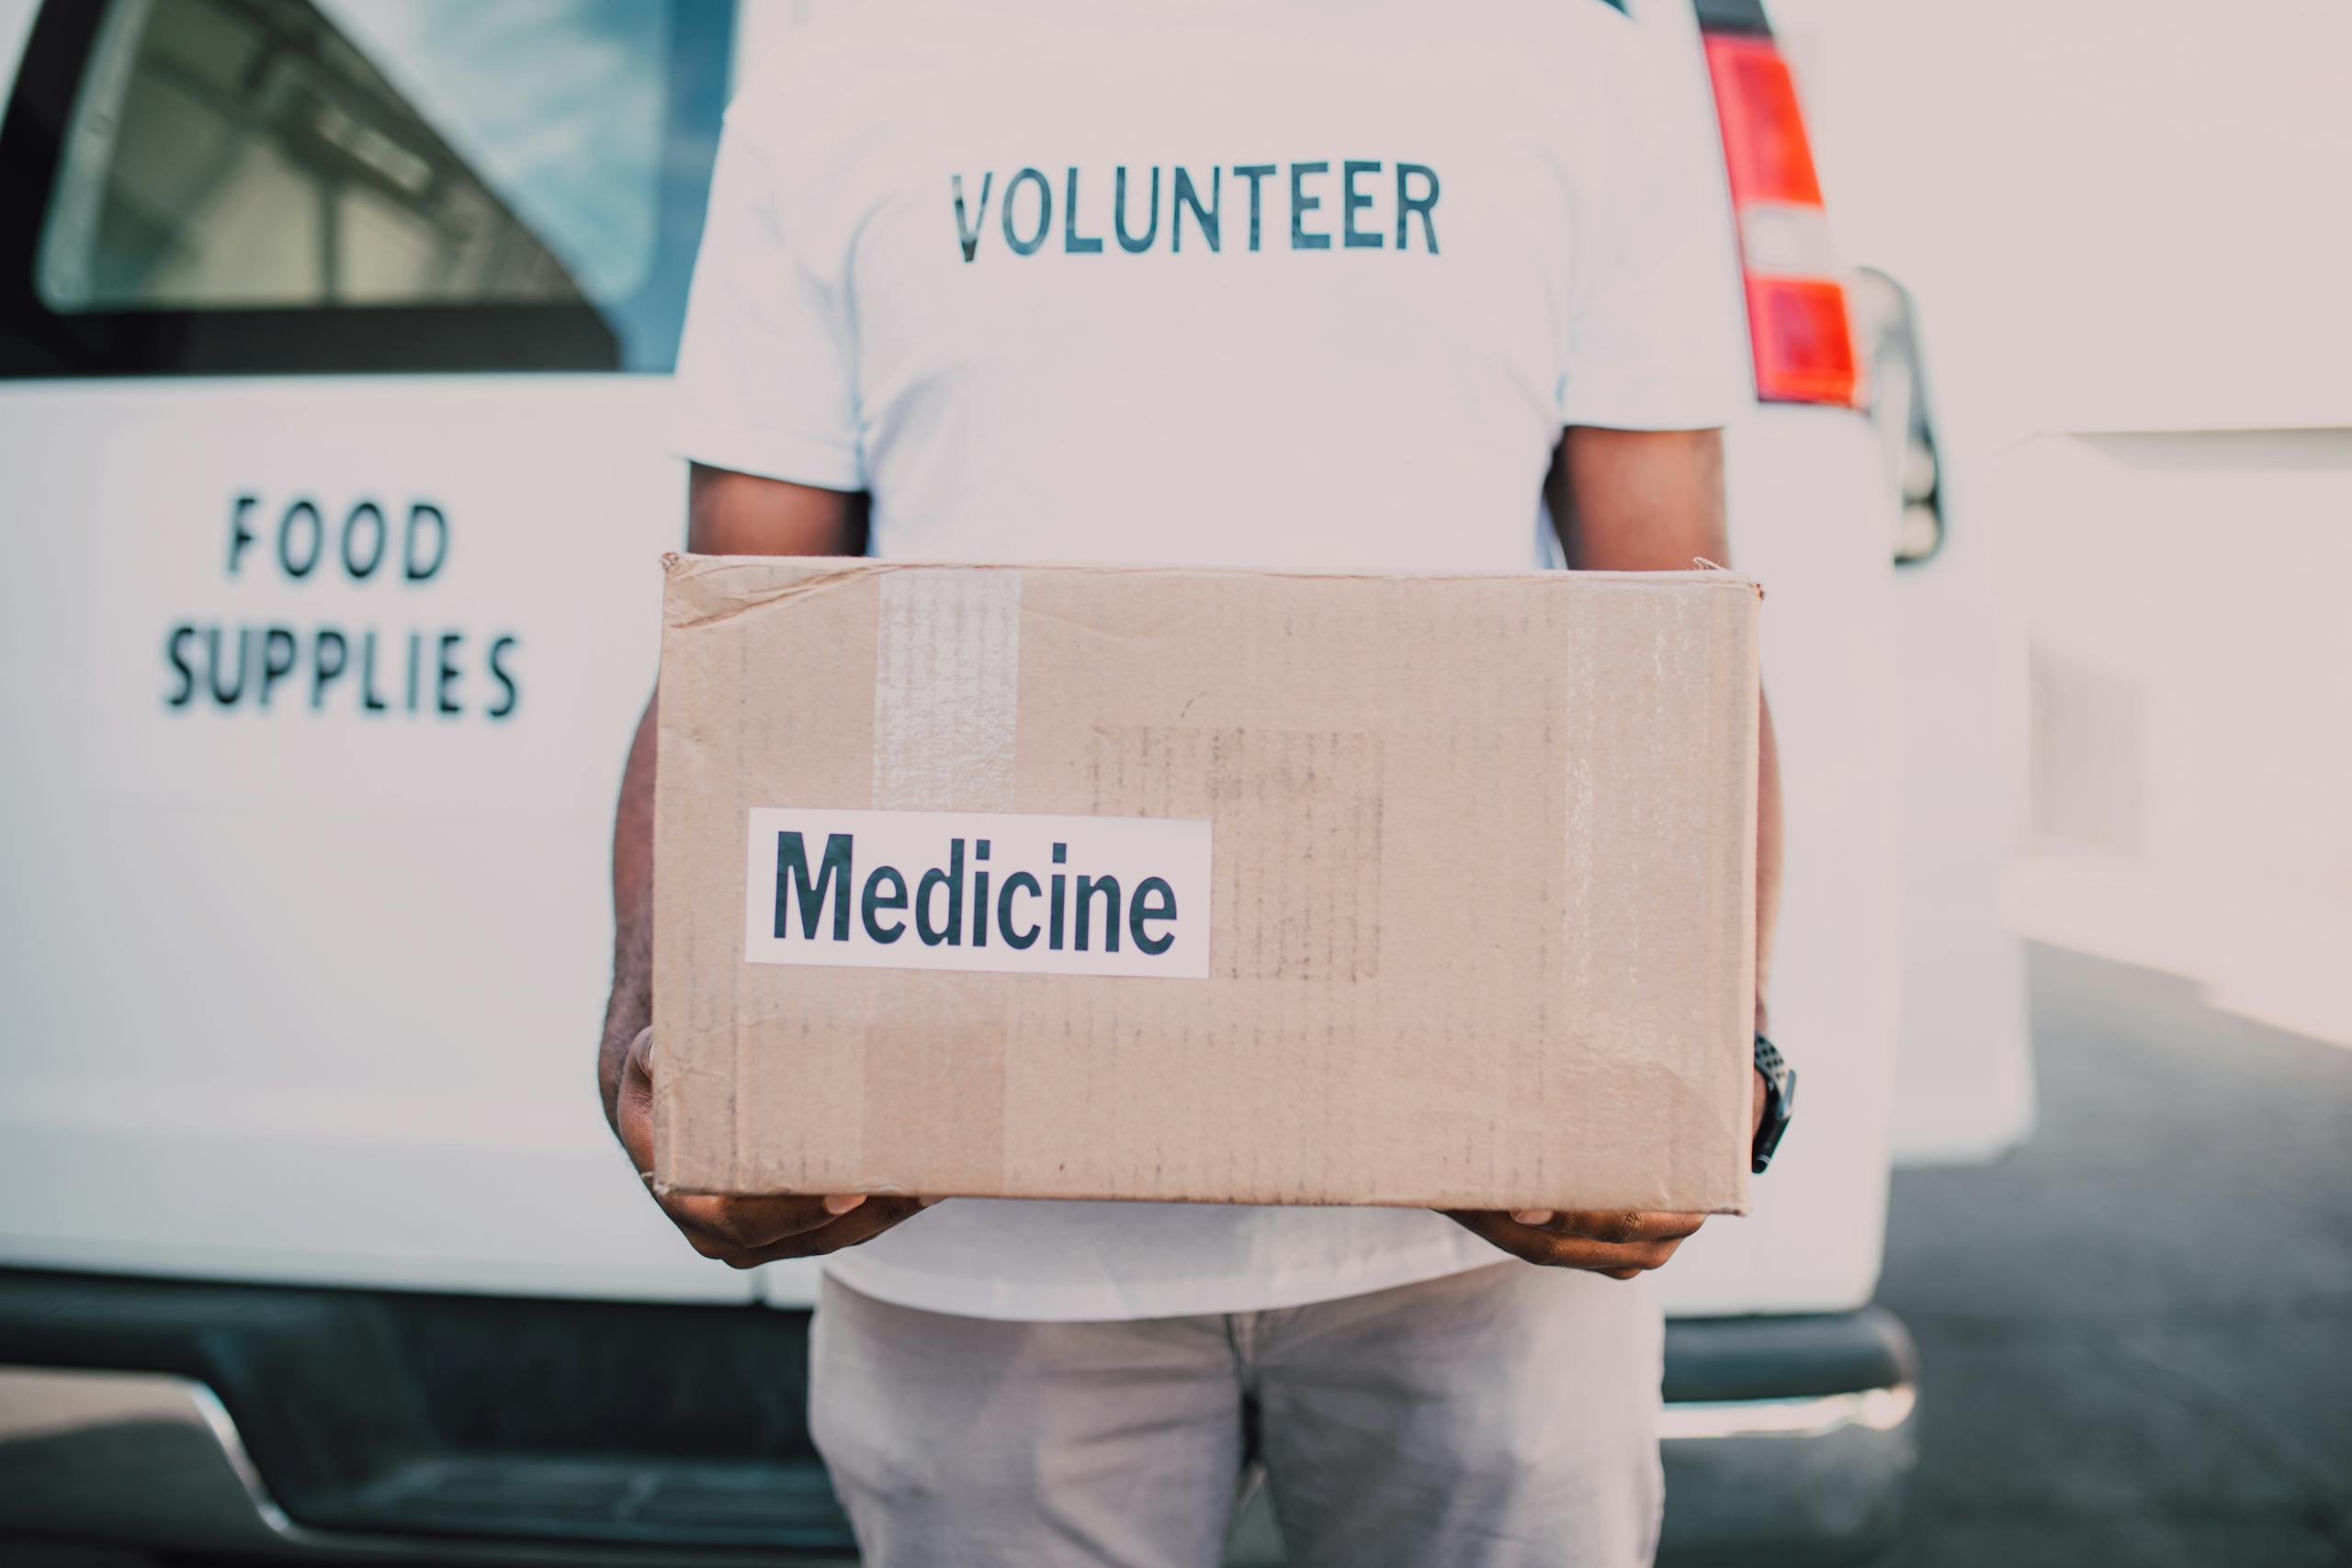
[{"x": 333, "y": 349}]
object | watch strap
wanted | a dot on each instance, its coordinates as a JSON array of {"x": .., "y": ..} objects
[{"x": 1780, "y": 1100}]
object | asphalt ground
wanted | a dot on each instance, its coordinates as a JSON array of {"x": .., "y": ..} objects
[{"x": 2135, "y": 1334}]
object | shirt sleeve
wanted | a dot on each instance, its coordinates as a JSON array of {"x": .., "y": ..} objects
[
  {"x": 766, "y": 382},
  {"x": 1655, "y": 335}
]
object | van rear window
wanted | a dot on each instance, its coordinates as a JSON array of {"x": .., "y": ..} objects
[{"x": 216, "y": 187}]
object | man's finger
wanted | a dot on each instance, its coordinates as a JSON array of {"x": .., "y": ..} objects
[
  {"x": 1610, "y": 1225},
  {"x": 635, "y": 1121},
  {"x": 861, "y": 1224},
  {"x": 751, "y": 1222},
  {"x": 1619, "y": 1260},
  {"x": 1554, "y": 1248},
  {"x": 1619, "y": 1225}
]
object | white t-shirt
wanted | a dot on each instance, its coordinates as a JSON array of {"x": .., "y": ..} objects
[{"x": 1371, "y": 258}]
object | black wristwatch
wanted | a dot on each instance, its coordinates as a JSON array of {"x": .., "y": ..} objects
[{"x": 1780, "y": 1100}]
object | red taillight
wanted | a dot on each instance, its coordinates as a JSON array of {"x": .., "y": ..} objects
[
  {"x": 1804, "y": 348},
  {"x": 1798, "y": 326},
  {"x": 1764, "y": 141}
]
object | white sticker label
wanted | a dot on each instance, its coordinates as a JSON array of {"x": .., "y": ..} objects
[{"x": 976, "y": 890}]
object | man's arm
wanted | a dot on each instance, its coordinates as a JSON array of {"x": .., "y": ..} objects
[
  {"x": 734, "y": 515},
  {"x": 1645, "y": 501},
  {"x": 727, "y": 515}
]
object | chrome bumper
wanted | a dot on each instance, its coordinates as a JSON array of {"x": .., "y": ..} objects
[{"x": 154, "y": 1459}]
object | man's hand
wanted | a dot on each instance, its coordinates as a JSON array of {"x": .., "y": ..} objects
[
  {"x": 745, "y": 1232},
  {"x": 727, "y": 513},
  {"x": 1619, "y": 1243}
]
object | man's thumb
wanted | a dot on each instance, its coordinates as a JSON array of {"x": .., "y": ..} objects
[{"x": 637, "y": 1071}]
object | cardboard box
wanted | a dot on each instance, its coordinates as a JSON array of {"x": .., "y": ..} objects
[{"x": 1092, "y": 882}]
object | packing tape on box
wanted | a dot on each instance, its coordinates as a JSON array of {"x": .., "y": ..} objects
[
  {"x": 947, "y": 689},
  {"x": 946, "y": 701}
]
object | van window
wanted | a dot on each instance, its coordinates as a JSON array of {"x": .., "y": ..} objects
[{"x": 320, "y": 185}]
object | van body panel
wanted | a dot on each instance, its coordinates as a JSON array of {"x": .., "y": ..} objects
[{"x": 304, "y": 990}]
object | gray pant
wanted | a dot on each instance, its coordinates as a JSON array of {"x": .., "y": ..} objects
[{"x": 1504, "y": 1417}]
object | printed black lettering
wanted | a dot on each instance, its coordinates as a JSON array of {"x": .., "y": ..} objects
[
  {"x": 323, "y": 670},
  {"x": 415, "y": 645},
  {"x": 374, "y": 517},
  {"x": 1014, "y": 883},
  {"x": 1301, "y": 204},
  {"x": 369, "y": 701},
  {"x": 239, "y": 534},
  {"x": 277, "y": 649},
  {"x": 227, "y": 699},
  {"x": 1028, "y": 223},
  {"x": 1353, "y": 201},
  {"x": 951, "y": 881},
  {"x": 1087, "y": 886},
  {"x": 1054, "y": 912},
  {"x": 1128, "y": 243},
  {"x": 175, "y": 655},
  {"x": 981, "y": 894},
  {"x": 968, "y": 234},
  {"x": 1022, "y": 247},
  {"x": 1186, "y": 195},
  {"x": 1254, "y": 174},
  {"x": 1154, "y": 900},
  {"x": 874, "y": 901},
  {"x": 832, "y": 882},
  {"x": 449, "y": 672},
  {"x": 1408, "y": 204},
  {"x": 1073, "y": 242},
  {"x": 317, "y": 530},
  {"x": 508, "y": 696},
  {"x": 419, "y": 515}
]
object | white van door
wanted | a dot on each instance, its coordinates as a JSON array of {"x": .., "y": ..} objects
[{"x": 334, "y": 343}]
